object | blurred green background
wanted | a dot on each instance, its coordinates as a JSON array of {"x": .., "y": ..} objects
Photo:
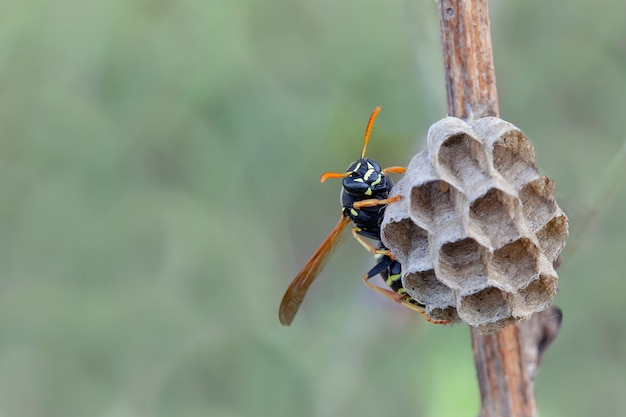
[{"x": 159, "y": 190}]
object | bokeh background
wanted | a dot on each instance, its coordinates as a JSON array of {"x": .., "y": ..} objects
[{"x": 159, "y": 189}]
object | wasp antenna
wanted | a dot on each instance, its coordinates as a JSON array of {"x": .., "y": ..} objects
[
  {"x": 327, "y": 175},
  {"x": 368, "y": 130}
]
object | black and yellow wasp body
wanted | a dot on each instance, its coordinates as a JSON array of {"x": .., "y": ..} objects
[
  {"x": 366, "y": 181},
  {"x": 364, "y": 196}
]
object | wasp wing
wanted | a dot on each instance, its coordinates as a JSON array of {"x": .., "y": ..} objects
[{"x": 299, "y": 286}]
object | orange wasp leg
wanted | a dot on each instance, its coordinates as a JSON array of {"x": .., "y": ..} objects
[
  {"x": 395, "y": 170},
  {"x": 402, "y": 299},
  {"x": 327, "y": 175},
  {"x": 368, "y": 245},
  {"x": 372, "y": 202},
  {"x": 405, "y": 302}
]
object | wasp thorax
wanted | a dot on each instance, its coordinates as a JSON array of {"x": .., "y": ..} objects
[{"x": 366, "y": 178}]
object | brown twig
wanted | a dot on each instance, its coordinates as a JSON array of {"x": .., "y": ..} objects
[
  {"x": 507, "y": 360},
  {"x": 468, "y": 59}
]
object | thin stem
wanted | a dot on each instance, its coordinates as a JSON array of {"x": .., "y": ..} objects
[
  {"x": 468, "y": 59},
  {"x": 507, "y": 360}
]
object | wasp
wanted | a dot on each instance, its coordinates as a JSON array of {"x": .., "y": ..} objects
[{"x": 364, "y": 197}]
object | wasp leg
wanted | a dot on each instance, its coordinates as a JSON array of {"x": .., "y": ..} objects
[
  {"x": 375, "y": 202},
  {"x": 395, "y": 170},
  {"x": 383, "y": 291},
  {"x": 402, "y": 299},
  {"x": 405, "y": 301},
  {"x": 368, "y": 245}
]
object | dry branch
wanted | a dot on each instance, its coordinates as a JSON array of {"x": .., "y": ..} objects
[{"x": 507, "y": 360}]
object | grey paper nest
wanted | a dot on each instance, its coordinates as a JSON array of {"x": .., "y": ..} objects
[{"x": 478, "y": 229}]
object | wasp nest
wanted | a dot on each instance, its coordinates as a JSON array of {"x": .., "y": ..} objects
[{"x": 478, "y": 229}]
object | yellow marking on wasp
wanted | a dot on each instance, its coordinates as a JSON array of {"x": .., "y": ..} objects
[
  {"x": 368, "y": 191},
  {"x": 356, "y": 168},
  {"x": 402, "y": 290},
  {"x": 370, "y": 166},
  {"x": 378, "y": 180},
  {"x": 358, "y": 180},
  {"x": 393, "y": 278},
  {"x": 354, "y": 212},
  {"x": 368, "y": 174}
]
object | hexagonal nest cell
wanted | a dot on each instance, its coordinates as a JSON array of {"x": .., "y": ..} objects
[{"x": 478, "y": 230}]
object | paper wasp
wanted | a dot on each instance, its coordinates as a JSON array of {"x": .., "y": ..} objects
[{"x": 364, "y": 196}]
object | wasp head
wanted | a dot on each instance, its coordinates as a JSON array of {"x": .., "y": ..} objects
[{"x": 365, "y": 178}]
